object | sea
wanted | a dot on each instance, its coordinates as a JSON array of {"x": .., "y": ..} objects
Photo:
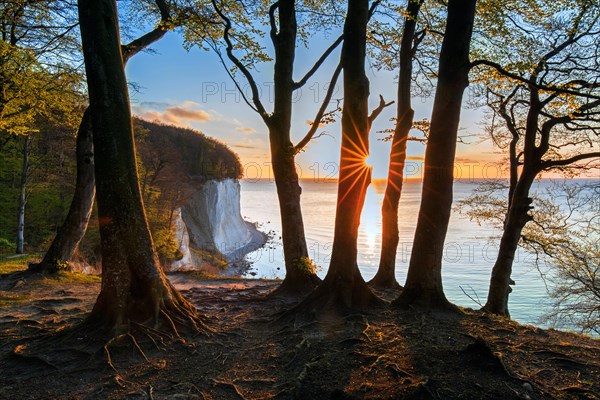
[{"x": 469, "y": 252}]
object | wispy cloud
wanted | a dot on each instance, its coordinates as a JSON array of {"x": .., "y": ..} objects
[
  {"x": 246, "y": 130},
  {"x": 176, "y": 114}
]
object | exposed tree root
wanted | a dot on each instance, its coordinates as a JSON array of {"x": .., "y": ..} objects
[
  {"x": 294, "y": 289},
  {"x": 422, "y": 298},
  {"x": 231, "y": 385},
  {"x": 335, "y": 299},
  {"x": 384, "y": 284}
]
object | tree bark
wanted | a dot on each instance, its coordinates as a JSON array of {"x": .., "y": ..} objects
[
  {"x": 344, "y": 286},
  {"x": 424, "y": 281},
  {"x": 134, "y": 287},
  {"x": 298, "y": 280},
  {"x": 385, "y": 277},
  {"x": 73, "y": 229},
  {"x": 517, "y": 217},
  {"x": 23, "y": 196}
]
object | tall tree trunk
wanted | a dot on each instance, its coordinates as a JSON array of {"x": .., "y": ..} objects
[
  {"x": 298, "y": 279},
  {"x": 23, "y": 196},
  {"x": 75, "y": 225},
  {"x": 517, "y": 218},
  {"x": 343, "y": 285},
  {"x": 385, "y": 276},
  {"x": 134, "y": 286},
  {"x": 424, "y": 281}
]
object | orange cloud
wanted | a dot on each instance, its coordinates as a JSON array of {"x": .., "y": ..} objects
[
  {"x": 179, "y": 115},
  {"x": 246, "y": 130},
  {"x": 183, "y": 113}
]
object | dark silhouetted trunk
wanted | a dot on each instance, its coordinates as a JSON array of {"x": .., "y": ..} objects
[
  {"x": 298, "y": 278},
  {"x": 134, "y": 287},
  {"x": 344, "y": 286},
  {"x": 519, "y": 205},
  {"x": 75, "y": 225},
  {"x": 424, "y": 281},
  {"x": 23, "y": 196},
  {"x": 517, "y": 218},
  {"x": 385, "y": 277}
]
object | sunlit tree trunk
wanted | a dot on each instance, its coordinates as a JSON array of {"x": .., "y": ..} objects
[
  {"x": 424, "y": 281},
  {"x": 134, "y": 287},
  {"x": 23, "y": 195},
  {"x": 385, "y": 276},
  {"x": 343, "y": 285},
  {"x": 297, "y": 279}
]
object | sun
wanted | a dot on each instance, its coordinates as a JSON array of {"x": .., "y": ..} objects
[{"x": 369, "y": 161}]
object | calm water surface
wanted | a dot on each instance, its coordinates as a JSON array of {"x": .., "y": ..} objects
[{"x": 469, "y": 251}]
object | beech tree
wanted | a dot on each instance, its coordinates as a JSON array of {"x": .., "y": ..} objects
[
  {"x": 385, "y": 276},
  {"x": 545, "y": 105},
  {"x": 134, "y": 287},
  {"x": 424, "y": 281},
  {"x": 36, "y": 42},
  {"x": 344, "y": 286},
  {"x": 300, "y": 274},
  {"x": 75, "y": 224}
]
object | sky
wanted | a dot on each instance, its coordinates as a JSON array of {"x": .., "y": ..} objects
[{"x": 191, "y": 89}]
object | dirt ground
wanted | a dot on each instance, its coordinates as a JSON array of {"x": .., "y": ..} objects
[{"x": 254, "y": 353}]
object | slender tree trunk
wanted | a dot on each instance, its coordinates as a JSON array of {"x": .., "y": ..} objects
[
  {"x": 134, "y": 286},
  {"x": 517, "y": 218},
  {"x": 75, "y": 225},
  {"x": 343, "y": 285},
  {"x": 23, "y": 195},
  {"x": 297, "y": 280},
  {"x": 424, "y": 281},
  {"x": 386, "y": 273}
]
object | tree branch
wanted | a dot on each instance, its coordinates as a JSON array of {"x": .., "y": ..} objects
[
  {"x": 315, "y": 125},
  {"x": 534, "y": 84},
  {"x": 375, "y": 113},
  {"x": 320, "y": 61},
  {"x": 272, "y": 22},
  {"x": 132, "y": 48},
  {"x": 229, "y": 50},
  {"x": 548, "y": 164}
]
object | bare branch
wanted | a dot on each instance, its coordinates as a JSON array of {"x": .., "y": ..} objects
[
  {"x": 549, "y": 164},
  {"x": 320, "y": 61},
  {"x": 315, "y": 125},
  {"x": 272, "y": 22},
  {"x": 534, "y": 84},
  {"x": 132, "y": 48},
  {"x": 375, "y": 113},
  {"x": 236, "y": 61}
]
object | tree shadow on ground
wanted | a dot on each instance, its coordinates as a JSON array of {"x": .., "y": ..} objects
[{"x": 253, "y": 355}]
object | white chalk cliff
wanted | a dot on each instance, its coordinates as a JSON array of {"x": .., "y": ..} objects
[{"x": 211, "y": 220}]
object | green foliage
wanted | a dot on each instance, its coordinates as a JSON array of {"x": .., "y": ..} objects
[
  {"x": 9, "y": 264},
  {"x": 70, "y": 277},
  {"x": 166, "y": 245},
  {"x": 6, "y": 245},
  {"x": 49, "y": 185},
  {"x": 307, "y": 266},
  {"x": 187, "y": 151}
]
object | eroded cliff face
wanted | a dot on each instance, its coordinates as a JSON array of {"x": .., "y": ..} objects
[{"x": 210, "y": 221}]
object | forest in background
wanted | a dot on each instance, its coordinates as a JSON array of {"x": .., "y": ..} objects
[{"x": 172, "y": 160}]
